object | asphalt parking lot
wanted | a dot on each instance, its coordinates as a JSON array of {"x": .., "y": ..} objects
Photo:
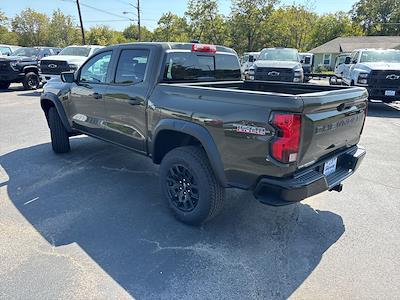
[{"x": 92, "y": 224}]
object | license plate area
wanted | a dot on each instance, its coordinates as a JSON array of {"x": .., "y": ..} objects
[
  {"x": 330, "y": 166},
  {"x": 390, "y": 93}
]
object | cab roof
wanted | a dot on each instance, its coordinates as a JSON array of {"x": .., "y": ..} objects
[{"x": 177, "y": 46}]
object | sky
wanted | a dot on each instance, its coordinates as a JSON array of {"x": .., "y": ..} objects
[{"x": 111, "y": 13}]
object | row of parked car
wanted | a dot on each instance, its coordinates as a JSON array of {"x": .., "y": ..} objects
[
  {"x": 33, "y": 65},
  {"x": 378, "y": 70}
]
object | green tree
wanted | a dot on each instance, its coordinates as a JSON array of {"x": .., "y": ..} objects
[
  {"x": 245, "y": 21},
  {"x": 378, "y": 17},
  {"x": 31, "y": 27},
  {"x": 131, "y": 34},
  {"x": 104, "y": 35},
  {"x": 171, "y": 28},
  {"x": 205, "y": 22},
  {"x": 330, "y": 26},
  {"x": 62, "y": 30},
  {"x": 290, "y": 26},
  {"x": 6, "y": 37}
]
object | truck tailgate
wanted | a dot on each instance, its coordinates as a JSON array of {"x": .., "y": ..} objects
[{"x": 332, "y": 120}]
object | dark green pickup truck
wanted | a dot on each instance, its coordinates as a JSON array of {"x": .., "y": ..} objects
[{"x": 185, "y": 107}]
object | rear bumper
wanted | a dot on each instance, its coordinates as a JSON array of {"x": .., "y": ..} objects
[{"x": 308, "y": 182}]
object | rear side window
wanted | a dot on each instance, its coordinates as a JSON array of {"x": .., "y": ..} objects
[
  {"x": 227, "y": 67},
  {"x": 131, "y": 66},
  {"x": 189, "y": 66}
]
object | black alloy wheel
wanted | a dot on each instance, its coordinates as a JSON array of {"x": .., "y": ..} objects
[{"x": 182, "y": 188}]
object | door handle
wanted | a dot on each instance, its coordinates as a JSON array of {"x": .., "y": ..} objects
[{"x": 97, "y": 96}]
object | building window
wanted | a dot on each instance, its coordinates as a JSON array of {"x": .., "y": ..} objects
[{"x": 327, "y": 59}]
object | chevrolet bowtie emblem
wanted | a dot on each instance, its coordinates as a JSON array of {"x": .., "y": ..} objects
[
  {"x": 273, "y": 73},
  {"x": 393, "y": 77}
]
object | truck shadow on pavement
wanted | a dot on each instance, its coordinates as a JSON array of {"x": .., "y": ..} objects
[
  {"x": 108, "y": 201},
  {"x": 383, "y": 110}
]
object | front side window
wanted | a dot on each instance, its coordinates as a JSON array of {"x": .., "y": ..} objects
[
  {"x": 131, "y": 66},
  {"x": 30, "y": 52},
  {"x": 354, "y": 57},
  {"x": 95, "y": 70},
  {"x": 5, "y": 51}
]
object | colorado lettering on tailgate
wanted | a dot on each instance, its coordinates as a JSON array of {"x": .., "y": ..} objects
[{"x": 341, "y": 123}]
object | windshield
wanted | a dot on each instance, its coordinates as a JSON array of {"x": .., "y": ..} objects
[
  {"x": 75, "y": 51},
  {"x": 380, "y": 56},
  {"x": 26, "y": 52},
  {"x": 279, "y": 55}
]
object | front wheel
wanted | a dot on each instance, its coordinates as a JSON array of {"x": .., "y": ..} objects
[
  {"x": 31, "y": 81},
  {"x": 189, "y": 185},
  {"x": 59, "y": 136}
]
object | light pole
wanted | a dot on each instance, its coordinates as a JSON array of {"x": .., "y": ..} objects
[{"x": 137, "y": 7}]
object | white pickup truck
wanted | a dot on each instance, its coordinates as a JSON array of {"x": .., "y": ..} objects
[
  {"x": 376, "y": 69},
  {"x": 69, "y": 59}
]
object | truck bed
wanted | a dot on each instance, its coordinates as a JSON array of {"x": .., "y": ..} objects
[{"x": 333, "y": 116}]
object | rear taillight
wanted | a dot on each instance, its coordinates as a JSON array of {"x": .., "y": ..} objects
[
  {"x": 285, "y": 147},
  {"x": 204, "y": 48}
]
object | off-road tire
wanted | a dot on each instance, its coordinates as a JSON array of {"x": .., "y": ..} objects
[
  {"x": 59, "y": 136},
  {"x": 31, "y": 81},
  {"x": 4, "y": 85},
  {"x": 210, "y": 193}
]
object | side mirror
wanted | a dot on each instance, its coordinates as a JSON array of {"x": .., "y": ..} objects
[
  {"x": 301, "y": 61},
  {"x": 347, "y": 60},
  {"x": 251, "y": 58},
  {"x": 68, "y": 77}
]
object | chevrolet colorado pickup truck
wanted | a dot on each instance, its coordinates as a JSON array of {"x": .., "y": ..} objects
[
  {"x": 69, "y": 59},
  {"x": 22, "y": 66},
  {"x": 184, "y": 106},
  {"x": 277, "y": 64},
  {"x": 377, "y": 70}
]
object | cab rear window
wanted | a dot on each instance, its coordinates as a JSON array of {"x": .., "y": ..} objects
[{"x": 189, "y": 67}]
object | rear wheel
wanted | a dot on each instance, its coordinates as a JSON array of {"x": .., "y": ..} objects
[
  {"x": 4, "y": 85},
  {"x": 31, "y": 81},
  {"x": 189, "y": 185},
  {"x": 59, "y": 136}
]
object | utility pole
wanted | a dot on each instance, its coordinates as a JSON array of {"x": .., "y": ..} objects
[
  {"x": 80, "y": 19},
  {"x": 137, "y": 7},
  {"x": 138, "y": 15}
]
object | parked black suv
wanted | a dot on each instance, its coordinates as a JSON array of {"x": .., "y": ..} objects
[
  {"x": 22, "y": 66},
  {"x": 185, "y": 106}
]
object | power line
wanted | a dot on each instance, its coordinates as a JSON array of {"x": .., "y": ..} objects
[
  {"x": 98, "y": 9},
  {"x": 103, "y": 11}
]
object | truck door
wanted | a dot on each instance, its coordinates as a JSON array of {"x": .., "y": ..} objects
[
  {"x": 87, "y": 95},
  {"x": 125, "y": 100},
  {"x": 348, "y": 71}
]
